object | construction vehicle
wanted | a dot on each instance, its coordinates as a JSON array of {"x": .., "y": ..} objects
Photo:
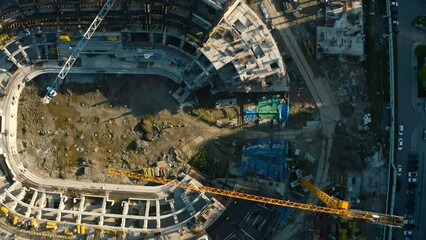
[
  {"x": 15, "y": 220},
  {"x": 51, "y": 89},
  {"x": 334, "y": 206},
  {"x": 65, "y": 38},
  {"x": 68, "y": 233},
  {"x": 81, "y": 229},
  {"x": 34, "y": 223},
  {"x": 5, "y": 211},
  {"x": 111, "y": 233},
  {"x": 111, "y": 38},
  {"x": 51, "y": 225}
]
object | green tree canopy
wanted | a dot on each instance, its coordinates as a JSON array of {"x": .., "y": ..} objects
[{"x": 422, "y": 74}]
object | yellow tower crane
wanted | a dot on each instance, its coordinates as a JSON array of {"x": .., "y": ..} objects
[
  {"x": 328, "y": 200},
  {"x": 334, "y": 206}
]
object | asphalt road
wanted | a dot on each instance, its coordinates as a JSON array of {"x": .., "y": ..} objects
[{"x": 411, "y": 114}]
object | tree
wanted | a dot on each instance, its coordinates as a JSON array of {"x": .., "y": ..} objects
[
  {"x": 202, "y": 161},
  {"x": 422, "y": 74}
]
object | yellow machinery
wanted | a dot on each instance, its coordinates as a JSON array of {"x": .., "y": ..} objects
[
  {"x": 15, "y": 220},
  {"x": 34, "y": 223},
  {"x": 112, "y": 38},
  {"x": 5, "y": 211},
  {"x": 334, "y": 206},
  {"x": 68, "y": 233},
  {"x": 81, "y": 229},
  {"x": 330, "y": 201},
  {"x": 51, "y": 225},
  {"x": 65, "y": 38}
]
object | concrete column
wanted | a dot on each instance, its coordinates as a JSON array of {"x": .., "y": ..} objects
[
  {"x": 125, "y": 206},
  {"x": 157, "y": 213},
  {"x": 145, "y": 223},
  {"x": 197, "y": 54},
  {"x": 188, "y": 204},
  {"x": 80, "y": 209},
  {"x": 201, "y": 75},
  {"x": 60, "y": 208},
  {"x": 11, "y": 57},
  {"x": 28, "y": 213},
  {"x": 46, "y": 48},
  {"x": 22, "y": 50},
  {"x": 103, "y": 211},
  {"x": 172, "y": 206},
  {"x": 164, "y": 39},
  {"x": 43, "y": 200},
  {"x": 151, "y": 37},
  {"x": 41, "y": 203},
  {"x": 19, "y": 197},
  {"x": 14, "y": 186}
]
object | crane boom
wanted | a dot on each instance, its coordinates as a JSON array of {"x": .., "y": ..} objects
[
  {"x": 51, "y": 90},
  {"x": 330, "y": 201},
  {"x": 378, "y": 218}
]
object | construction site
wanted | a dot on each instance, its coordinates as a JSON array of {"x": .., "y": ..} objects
[{"x": 158, "y": 129}]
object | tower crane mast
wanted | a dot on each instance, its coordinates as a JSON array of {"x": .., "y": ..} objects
[
  {"x": 51, "y": 89},
  {"x": 332, "y": 208}
]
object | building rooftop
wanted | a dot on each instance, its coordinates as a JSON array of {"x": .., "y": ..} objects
[
  {"x": 265, "y": 159},
  {"x": 242, "y": 49},
  {"x": 343, "y": 34},
  {"x": 242, "y": 220}
]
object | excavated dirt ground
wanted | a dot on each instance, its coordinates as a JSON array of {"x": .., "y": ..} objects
[{"x": 101, "y": 122}]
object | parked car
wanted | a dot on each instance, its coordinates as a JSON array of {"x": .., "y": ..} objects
[
  {"x": 408, "y": 216},
  {"x": 412, "y": 180},
  {"x": 400, "y": 143},
  {"x": 412, "y": 161},
  {"x": 409, "y": 210},
  {"x": 398, "y": 185},
  {"x": 409, "y": 192},
  {"x": 408, "y": 232},
  {"x": 395, "y": 22},
  {"x": 413, "y": 174},
  {"x": 399, "y": 167},
  {"x": 394, "y": 9},
  {"x": 412, "y": 185},
  {"x": 409, "y": 226},
  {"x": 393, "y": 3},
  {"x": 401, "y": 130},
  {"x": 411, "y": 203},
  {"x": 395, "y": 29},
  {"x": 413, "y": 167},
  {"x": 424, "y": 134},
  {"x": 409, "y": 221}
]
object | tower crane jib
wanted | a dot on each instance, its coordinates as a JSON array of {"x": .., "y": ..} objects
[
  {"x": 342, "y": 210},
  {"x": 51, "y": 89}
]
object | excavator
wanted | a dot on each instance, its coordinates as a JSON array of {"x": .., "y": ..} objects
[{"x": 333, "y": 205}]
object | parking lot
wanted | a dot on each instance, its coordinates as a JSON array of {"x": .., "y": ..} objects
[{"x": 409, "y": 197}]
